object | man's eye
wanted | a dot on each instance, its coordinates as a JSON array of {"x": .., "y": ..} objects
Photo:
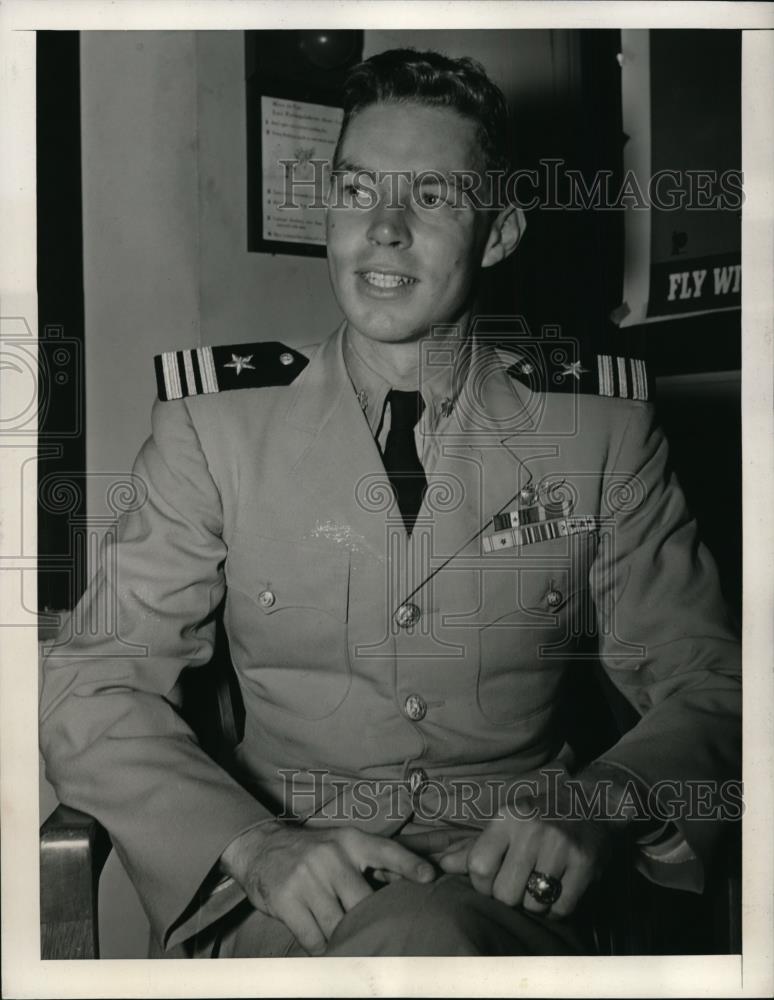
[
  {"x": 356, "y": 194},
  {"x": 431, "y": 197}
]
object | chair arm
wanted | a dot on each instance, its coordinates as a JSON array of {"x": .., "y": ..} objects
[
  {"x": 626, "y": 914},
  {"x": 73, "y": 851}
]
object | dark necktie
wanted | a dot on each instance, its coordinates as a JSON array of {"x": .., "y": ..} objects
[{"x": 400, "y": 454}]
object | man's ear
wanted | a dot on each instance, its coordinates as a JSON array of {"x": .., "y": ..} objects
[{"x": 507, "y": 229}]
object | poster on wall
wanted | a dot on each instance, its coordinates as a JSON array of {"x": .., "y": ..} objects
[
  {"x": 298, "y": 140},
  {"x": 293, "y": 101},
  {"x": 681, "y": 94}
]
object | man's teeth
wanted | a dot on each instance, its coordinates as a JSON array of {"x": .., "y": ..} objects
[{"x": 382, "y": 280}]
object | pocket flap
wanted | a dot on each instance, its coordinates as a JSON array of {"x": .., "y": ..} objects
[{"x": 280, "y": 575}]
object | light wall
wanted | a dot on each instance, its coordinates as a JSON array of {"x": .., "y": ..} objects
[
  {"x": 141, "y": 231},
  {"x": 165, "y": 228}
]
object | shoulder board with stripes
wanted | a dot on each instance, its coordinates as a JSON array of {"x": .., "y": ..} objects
[
  {"x": 203, "y": 370},
  {"x": 554, "y": 370}
]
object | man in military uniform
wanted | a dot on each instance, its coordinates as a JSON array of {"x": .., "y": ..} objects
[{"x": 414, "y": 530}]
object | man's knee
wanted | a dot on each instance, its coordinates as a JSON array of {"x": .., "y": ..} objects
[{"x": 406, "y": 918}]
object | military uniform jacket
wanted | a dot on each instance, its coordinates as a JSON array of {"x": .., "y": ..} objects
[{"x": 277, "y": 496}]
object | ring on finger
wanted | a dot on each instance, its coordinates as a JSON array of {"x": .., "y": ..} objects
[{"x": 544, "y": 889}]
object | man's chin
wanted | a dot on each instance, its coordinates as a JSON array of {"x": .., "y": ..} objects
[{"x": 386, "y": 330}]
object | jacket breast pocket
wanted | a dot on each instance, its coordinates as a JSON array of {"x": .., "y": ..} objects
[
  {"x": 287, "y": 616},
  {"x": 528, "y": 609}
]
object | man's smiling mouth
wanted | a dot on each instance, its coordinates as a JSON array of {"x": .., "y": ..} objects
[{"x": 382, "y": 279}]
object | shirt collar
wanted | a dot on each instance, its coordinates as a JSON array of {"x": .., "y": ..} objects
[{"x": 444, "y": 368}]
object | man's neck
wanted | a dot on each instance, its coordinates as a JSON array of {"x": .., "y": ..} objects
[{"x": 401, "y": 364}]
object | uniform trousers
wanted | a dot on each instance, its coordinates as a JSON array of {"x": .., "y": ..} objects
[{"x": 444, "y": 917}]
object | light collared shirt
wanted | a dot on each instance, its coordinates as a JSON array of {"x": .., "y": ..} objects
[{"x": 443, "y": 369}]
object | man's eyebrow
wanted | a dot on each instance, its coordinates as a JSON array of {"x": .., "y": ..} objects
[
  {"x": 453, "y": 177},
  {"x": 347, "y": 166},
  {"x": 424, "y": 173},
  {"x": 430, "y": 176}
]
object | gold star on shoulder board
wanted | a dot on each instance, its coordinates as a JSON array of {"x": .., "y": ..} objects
[
  {"x": 574, "y": 368},
  {"x": 238, "y": 363}
]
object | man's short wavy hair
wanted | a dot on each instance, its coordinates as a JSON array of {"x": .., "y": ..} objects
[{"x": 430, "y": 78}]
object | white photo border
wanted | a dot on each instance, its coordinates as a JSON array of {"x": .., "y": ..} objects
[{"x": 23, "y": 974}]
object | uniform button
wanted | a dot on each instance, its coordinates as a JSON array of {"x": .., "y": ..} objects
[
  {"x": 554, "y": 598},
  {"x": 407, "y": 614},
  {"x": 267, "y": 599},
  {"x": 286, "y": 359},
  {"x": 415, "y": 707},
  {"x": 417, "y": 777}
]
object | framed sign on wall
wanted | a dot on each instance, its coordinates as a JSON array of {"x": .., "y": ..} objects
[{"x": 294, "y": 83}]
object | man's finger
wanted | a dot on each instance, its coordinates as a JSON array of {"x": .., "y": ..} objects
[
  {"x": 435, "y": 842},
  {"x": 299, "y": 920},
  {"x": 326, "y": 910},
  {"x": 349, "y": 885},
  {"x": 455, "y": 861},
  {"x": 511, "y": 881},
  {"x": 384, "y": 876},
  {"x": 486, "y": 856},
  {"x": 575, "y": 881},
  {"x": 550, "y": 862},
  {"x": 379, "y": 852}
]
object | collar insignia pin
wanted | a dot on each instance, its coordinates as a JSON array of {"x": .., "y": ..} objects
[{"x": 527, "y": 496}]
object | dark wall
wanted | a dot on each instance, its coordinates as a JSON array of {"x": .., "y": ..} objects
[
  {"x": 703, "y": 423},
  {"x": 62, "y": 438},
  {"x": 568, "y": 270}
]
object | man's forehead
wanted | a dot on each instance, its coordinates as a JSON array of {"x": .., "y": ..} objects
[{"x": 409, "y": 136}]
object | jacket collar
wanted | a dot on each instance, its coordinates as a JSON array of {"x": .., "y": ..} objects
[
  {"x": 486, "y": 401},
  {"x": 484, "y": 455},
  {"x": 444, "y": 362}
]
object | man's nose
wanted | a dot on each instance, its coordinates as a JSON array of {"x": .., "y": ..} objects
[{"x": 388, "y": 227}]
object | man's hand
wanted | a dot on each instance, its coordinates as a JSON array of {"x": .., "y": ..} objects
[
  {"x": 538, "y": 835},
  {"x": 309, "y": 879}
]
